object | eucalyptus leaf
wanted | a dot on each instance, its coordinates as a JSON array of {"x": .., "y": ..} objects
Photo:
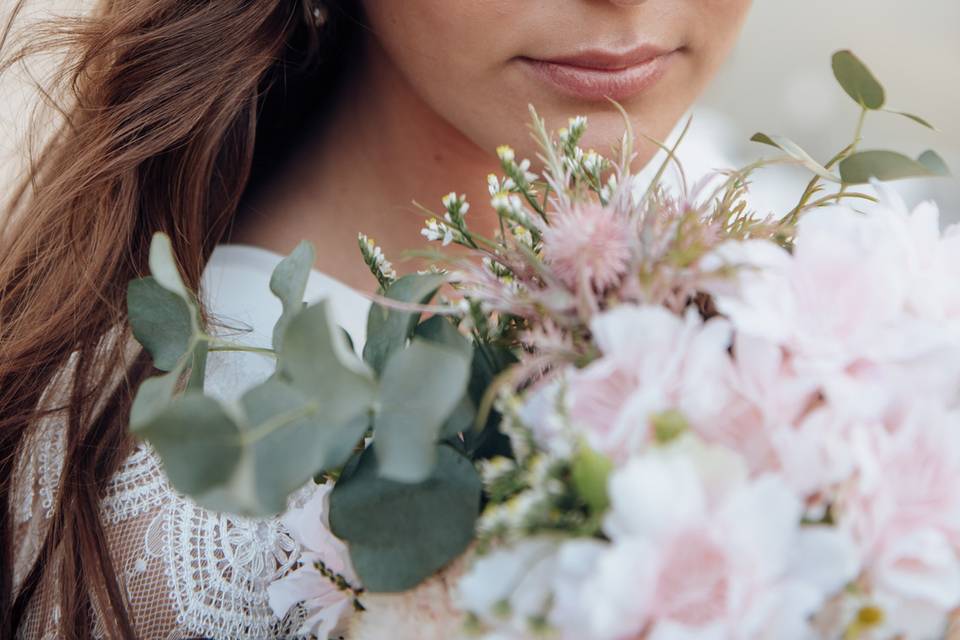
[
  {"x": 162, "y": 321},
  {"x": 857, "y": 80},
  {"x": 198, "y": 441},
  {"x": 934, "y": 163},
  {"x": 399, "y": 534},
  {"x": 489, "y": 361},
  {"x": 915, "y": 118},
  {"x": 442, "y": 331},
  {"x": 794, "y": 150},
  {"x": 861, "y": 167},
  {"x": 286, "y": 441},
  {"x": 163, "y": 265},
  {"x": 389, "y": 329},
  {"x": 315, "y": 357},
  {"x": 198, "y": 366},
  {"x": 419, "y": 389},
  {"x": 153, "y": 396},
  {"x": 288, "y": 282}
]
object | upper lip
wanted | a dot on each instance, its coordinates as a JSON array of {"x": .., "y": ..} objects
[{"x": 606, "y": 60}]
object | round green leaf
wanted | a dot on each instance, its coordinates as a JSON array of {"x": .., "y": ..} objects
[
  {"x": 288, "y": 282},
  {"x": 883, "y": 165},
  {"x": 163, "y": 265},
  {"x": 198, "y": 442},
  {"x": 287, "y": 442},
  {"x": 162, "y": 321},
  {"x": 857, "y": 80},
  {"x": 399, "y": 534},
  {"x": 152, "y": 398},
  {"x": 316, "y": 359},
  {"x": 389, "y": 329},
  {"x": 419, "y": 389},
  {"x": 934, "y": 163}
]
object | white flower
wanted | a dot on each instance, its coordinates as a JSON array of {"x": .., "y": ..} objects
[
  {"x": 325, "y": 581},
  {"x": 699, "y": 551}
]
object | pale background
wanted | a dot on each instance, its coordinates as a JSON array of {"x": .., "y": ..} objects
[{"x": 778, "y": 80}]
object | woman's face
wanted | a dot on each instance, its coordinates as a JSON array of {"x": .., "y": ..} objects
[{"x": 479, "y": 63}]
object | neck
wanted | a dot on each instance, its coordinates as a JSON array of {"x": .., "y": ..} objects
[{"x": 383, "y": 149}]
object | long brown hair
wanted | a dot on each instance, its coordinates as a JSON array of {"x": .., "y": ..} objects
[{"x": 160, "y": 104}]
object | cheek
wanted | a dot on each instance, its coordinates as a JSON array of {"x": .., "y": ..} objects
[{"x": 454, "y": 54}]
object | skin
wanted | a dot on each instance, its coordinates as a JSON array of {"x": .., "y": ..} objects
[{"x": 442, "y": 84}]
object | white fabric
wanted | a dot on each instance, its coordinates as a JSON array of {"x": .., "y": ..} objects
[{"x": 188, "y": 572}]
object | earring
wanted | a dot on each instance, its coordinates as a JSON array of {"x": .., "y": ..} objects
[{"x": 320, "y": 13}]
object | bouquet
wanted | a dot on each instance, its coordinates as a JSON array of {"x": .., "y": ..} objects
[{"x": 636, "y": 412}]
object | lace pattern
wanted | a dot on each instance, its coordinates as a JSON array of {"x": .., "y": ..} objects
[{"x": 187, "y": 572}]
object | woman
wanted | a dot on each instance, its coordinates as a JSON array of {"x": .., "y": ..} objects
[{"x": 259, "y": 122}]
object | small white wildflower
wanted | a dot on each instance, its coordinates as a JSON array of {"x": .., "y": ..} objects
[
  {"x": 435, "y": 230},
  {"x": 578, "y": 123},
  {"x": 607, "y": 191},
  {"x": 376, "y": 261},
  {"x": 592, "y": 162},
  {"x": 523, "y": 235},
  {"x": 496, "y": 468},
  {"x": 493, "y": 185},
  {"x": 528, "y": 175},
  {"x": 505, "y": 153}
]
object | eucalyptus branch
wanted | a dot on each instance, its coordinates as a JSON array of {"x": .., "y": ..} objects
[{"x": 217, "y": 344}]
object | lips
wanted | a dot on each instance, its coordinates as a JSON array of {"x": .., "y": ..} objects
[{"x": 600, "y": 74}]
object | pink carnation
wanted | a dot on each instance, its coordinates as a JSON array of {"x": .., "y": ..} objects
[
  {"x": 699, "y": 551},
  {"x": 653, "y": 361},
  {"x": 589, "y": 245},
  {"x": 903, "y": 511}
]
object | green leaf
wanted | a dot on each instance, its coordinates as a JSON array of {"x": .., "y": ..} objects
[
  {"x": 590, "y": 473},
  {"x": 152, "y": 398},
  {"x": 913, "y": 117},
  {"x": 934, "y": 163},
  {"x": 489, "y": 361},
  {"x": 289, "y": 283},
  {"x": 198, "y": 366},
  {"x": 399, "y": 534},
  {"x": 442, "y": 331},
  {"x": 389, "y": 329},
  {"x": 286, "y": 441},
  {"x": 883, "y": 165},
  {"x": 316, "y": 359},
  {"x": 197, "y": 440},
  {"x": 794, "y": 150},
  {"x": 163, "y": 265},
  {"x": 419, "y": 389},
  {"x": 857, "y": 80},
  {"x": 162, "y": 321}
]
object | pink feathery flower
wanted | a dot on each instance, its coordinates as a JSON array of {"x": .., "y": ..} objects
[{"x": 589, "y": 244}]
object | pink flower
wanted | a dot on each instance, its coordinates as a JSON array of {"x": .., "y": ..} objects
[
  {"x": 589, "y": 245},
  {"x": 699, "y": 551},
  {"x": 864, "y": 306},
  {"x": 653, "y": 361},
  {"x": 903, "y": 511},
  {"x": 324, "y": 557}
]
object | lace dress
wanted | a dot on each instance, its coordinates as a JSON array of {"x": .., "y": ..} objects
[{"x": 188, "y": 572}]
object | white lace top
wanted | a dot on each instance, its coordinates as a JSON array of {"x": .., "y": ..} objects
[{"x": 187, "y": 572}]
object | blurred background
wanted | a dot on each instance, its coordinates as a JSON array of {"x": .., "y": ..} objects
[{"x": 778, "y": 80}]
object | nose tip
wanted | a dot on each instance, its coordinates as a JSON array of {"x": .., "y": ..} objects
[{"x": 627, "y": 3}]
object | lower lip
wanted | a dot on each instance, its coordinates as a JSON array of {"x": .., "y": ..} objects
[{"x": 590, "y": 83}]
